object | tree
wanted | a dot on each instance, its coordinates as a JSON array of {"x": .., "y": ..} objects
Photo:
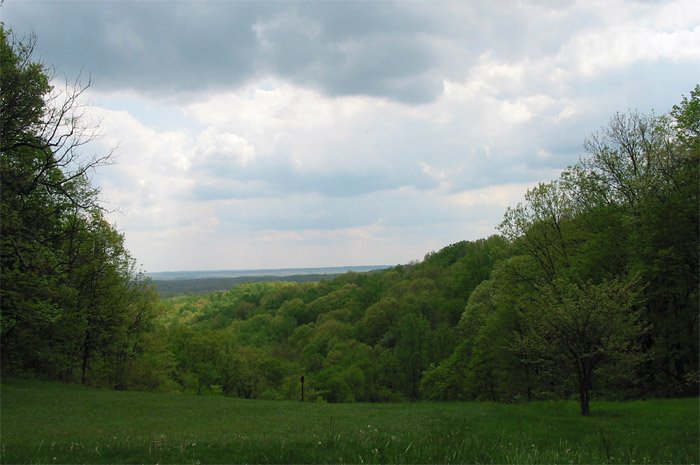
[
  {"x": 247, "y": 374},
  {"x": 378, "y": 319},
  {"x": 97, "y": 272},
  {"x": 645, "y": 169},
  {"x": 581, "y": 327},
  {"x": 44, "y": 129},
  {"x": 541, "y": 227},
  {"x": 411, "y": 351},
  {"x": 630, "y": 207},
  {"x": 686, "y": 116},
  {"x": 67, "y": 281}
]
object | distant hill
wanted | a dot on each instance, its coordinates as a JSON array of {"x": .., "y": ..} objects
[
  {"x": 173, "y": 283},
  {"x": 180, "y": 275}
]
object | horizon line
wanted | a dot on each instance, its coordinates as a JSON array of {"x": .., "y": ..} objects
[{"x": 258, "y": 271}]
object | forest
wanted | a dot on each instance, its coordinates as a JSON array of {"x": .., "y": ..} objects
[{"x": 589, "y": 291}]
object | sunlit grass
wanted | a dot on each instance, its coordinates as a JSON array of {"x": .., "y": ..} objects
[{"x": 54, "y": 423}]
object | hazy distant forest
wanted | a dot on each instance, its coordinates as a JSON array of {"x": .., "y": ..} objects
[{"x": 589, "y": 291}]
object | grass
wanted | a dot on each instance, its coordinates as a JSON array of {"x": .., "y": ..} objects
[{"x": 54, "y": 423}]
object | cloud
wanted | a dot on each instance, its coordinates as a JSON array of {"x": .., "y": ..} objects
[
  {"x": 221, "y": 153},
  {"x": 272, "y": 134},
  {"x": 307, "y": 49},
  {"x": 185, "y": 47}
]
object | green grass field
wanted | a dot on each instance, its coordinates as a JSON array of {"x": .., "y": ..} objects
[{"x": 55, "y": 423}]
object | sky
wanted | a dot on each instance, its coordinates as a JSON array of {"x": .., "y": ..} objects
[{"x": 284, "y": 134}]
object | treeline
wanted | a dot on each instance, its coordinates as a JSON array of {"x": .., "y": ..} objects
[
  {"x": 590, "y": 290},
  {"x": 73, "y": 305}
]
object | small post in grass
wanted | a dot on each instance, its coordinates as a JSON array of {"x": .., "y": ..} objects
[{"x": 302, "y": 388}]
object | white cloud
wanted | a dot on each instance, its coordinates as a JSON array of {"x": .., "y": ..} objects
[
  {"x": 604, "y": 51},
  {"x": 219, "y": 150},
  {"x": 633, "y": 32},
  {"x": 500, "y": 197},
  {"x": 296, "y": 134}
]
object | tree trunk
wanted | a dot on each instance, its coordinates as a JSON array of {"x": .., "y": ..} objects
[
  {"x": 584, "y": 401},
  {"x": 86, "y": 359},
  {"x": 585, "y": 391},
  {"x": 529, "y": 387}
]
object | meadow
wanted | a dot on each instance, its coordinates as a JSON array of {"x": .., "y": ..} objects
[{"x": 53, "y": 423}]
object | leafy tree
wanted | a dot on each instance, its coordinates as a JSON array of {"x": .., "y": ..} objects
[
  {"x": 258, "y": 331},
  {"x": 686, "y": 116},
  {"x": 206, "y": 375},
  {"x": 630, "y": 208},
  {"x": 68, "y": 283},
  {"x": 581, "y": 327},
  {"x": 411, "y": 351},
  {"x": 470, "y": 266},
  {"x": 251, "y": 377},
  {"x": 541, "y": 228},
  {"x": 350, "y": 361},
  {"x": 390, "y": 378},
  {"x": 645, "y": 168},
  {"x": 378, "y": 319},
  {"x": 447, "y": 380},
  {"x": 296, "y": 308},
  {"x": 148, "y": 364}
]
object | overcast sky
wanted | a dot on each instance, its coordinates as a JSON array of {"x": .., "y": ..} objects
[{"x": 302, "y": 134}]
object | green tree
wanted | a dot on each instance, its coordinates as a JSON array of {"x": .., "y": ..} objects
[
  {"x": 628, "y": 208},
  {"x": 67, "y": 281},
  {"x": 248, "y": 377},
  {"x": 644, "y": 170},
  {"x": 581, "y": 327},
  {"x": 541, "y": 227},
  {"x": 378, "y": 319},
  {"x": 148, "y": 364},
  {"x": 411, "y": 351},
  {"x": 686, "y": 116},
  {"x": 296, "y": 308}
]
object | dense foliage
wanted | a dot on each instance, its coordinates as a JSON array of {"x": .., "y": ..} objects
[
  {"x": 73, "y": 307},
  {"x": 590, "y": 290},
  {"x": 357, "y": 337}
]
